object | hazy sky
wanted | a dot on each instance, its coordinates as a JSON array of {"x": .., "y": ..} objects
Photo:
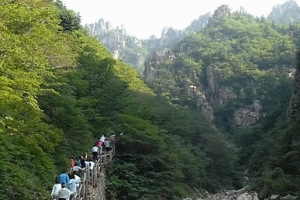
[{"x": 143, "y": 18}]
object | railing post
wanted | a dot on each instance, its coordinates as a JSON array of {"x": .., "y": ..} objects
[
  {"x": 110, "y": 154},
  {"x": 83, "y": 185},
  {"x": 96, "y": 173},
  {"x": 88, "y": 180},
  {"x": 92, "y": 177}
]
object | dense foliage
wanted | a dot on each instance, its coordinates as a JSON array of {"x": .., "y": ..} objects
[
  {"x": 250, "y": 59},
  {"x": 270, "y": 151},
  {"x": 61, "y": 89}
]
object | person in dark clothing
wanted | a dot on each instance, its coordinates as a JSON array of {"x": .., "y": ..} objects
[
  {"x": 107, "y": 145},
  {"x": 82, "y": 161},
  {"x": 83, "y": 166},
  {"x": 95, "y": 151}
]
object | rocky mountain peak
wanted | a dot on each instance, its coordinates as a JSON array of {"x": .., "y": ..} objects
[
  {"x": 200, "y": 23},
  {"x": 220, "y": 13},
  {"x": 286, "y": 13}
]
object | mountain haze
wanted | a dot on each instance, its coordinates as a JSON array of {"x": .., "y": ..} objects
[
  {"x": 286, "y": 13},
  {"x": 237, "y": 71},
  {"x": 134, "y": 51},
  {"x": 61, "y": 90},
  {"x": 207, "y": 109}
]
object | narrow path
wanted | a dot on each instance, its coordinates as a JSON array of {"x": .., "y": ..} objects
[{"x": 92, "y": 186}]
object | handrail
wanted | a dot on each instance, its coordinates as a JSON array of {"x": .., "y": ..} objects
[{"x": 92, "y": 177}]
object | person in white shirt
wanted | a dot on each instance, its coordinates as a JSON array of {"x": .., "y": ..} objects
[
  {"x": 95, "y": 150},
  {"x": 64, "y": 193},
  {"x": 92, "y": 164},
  {"x": 55, "y": 189},
  {"x": 77, "y": 178},
  {"x": 102, "y": 138},
  {"x": 87, "y": 163}
]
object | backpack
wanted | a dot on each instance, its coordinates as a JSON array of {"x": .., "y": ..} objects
[{"x": 107, "y": 144}]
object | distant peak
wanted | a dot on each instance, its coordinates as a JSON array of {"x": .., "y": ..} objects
[
  {"x": 286, "y": 13},
  {"x": 287, "y": 4}
]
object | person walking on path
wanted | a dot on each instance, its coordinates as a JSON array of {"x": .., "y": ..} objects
[
  {"x": 64, "y": 193},
  {"x": 72, "y": 186},
  {"x": 102, "y": 138},
  {"x": 63, "y": 178},
  {"x": 55, "y": 189},
  {"x": 107, "y": 145},
  {"x": 72, "y": 162},
  {"x": 95, "y": 150}
]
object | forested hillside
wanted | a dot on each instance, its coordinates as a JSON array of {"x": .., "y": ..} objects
[
  {"x": 61, "y": 89},
  {"x": 239, "y": 73}
]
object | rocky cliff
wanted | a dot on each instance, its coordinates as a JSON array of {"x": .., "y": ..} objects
[
  {"x": 220, "y": 71},
  {"x": 134, "y": 51},
  {"x": 123, "y": 46},
  {"x": 287, "y": 13},
  {"x": 147, "y": 55},
  {"x": 129, "y": 49},
  {"x": 294, "y": 107},
  {"x": 200, "y": 23}
]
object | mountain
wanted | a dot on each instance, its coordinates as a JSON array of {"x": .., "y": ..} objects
[
  {"x": 287, "y": 13},
  {"x": 204, "y": 66},
  {"x": 238, "y": 72},
  {"x": 134, "y": 51},
  {"x": 63, "y": 89},
  {"x": 200, "y": 23},
  {"x": 123, "y": 47},
  {"x": 212, "y": 107}
]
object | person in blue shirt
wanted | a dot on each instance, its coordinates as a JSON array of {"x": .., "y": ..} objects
[
  {"x": 72, "y": 183},
  {"x": 63, "y": 178}
]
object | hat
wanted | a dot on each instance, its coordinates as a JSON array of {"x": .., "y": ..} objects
[{"x": 63, "y": 185}]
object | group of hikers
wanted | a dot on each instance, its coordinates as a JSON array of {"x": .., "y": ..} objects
[{"x": 67, "y": 184}]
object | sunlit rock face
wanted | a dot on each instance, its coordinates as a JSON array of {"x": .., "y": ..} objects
[
  {"x": 124, "y": 47},
  {"x": 134, "y": 51},
  {"x": 112, "y": 38},
  {"x": 287, "y": 13},
  {"x": 200, "y": 23},
  {"x": 249, "y": 115}
]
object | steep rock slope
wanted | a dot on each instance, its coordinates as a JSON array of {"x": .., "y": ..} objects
[
  {"x": 232, "y": 71},
  {"x": 294, "y": 107},
  {"x": 287, "y": 13},
  {"x": 134, "y": 51},
  {"x": 123, "y": 47},
  {"x": 239, "y": 73}
]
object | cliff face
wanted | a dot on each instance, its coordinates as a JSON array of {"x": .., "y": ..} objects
[
  {"x": 200, "y": 23},
  {"x": 225, "y": 77},
  {"x": 147, "y": 55},
  {"x": 124, "y": 47},
  {"x": 134, "y": 51},
  {"x": 287, "y": 13},
  {"x": 294, "y": 107},
  {"x": 205, "y": 96}
]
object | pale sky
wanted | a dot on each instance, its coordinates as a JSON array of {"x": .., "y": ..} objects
[{"x": 143, "y": 18}]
